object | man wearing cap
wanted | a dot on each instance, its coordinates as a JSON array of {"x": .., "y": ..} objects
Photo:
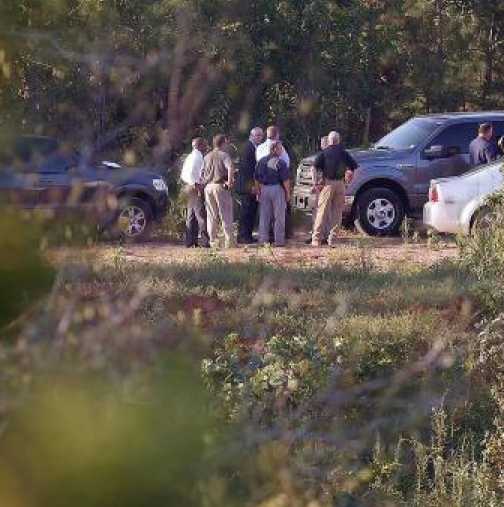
[
  {"x": 335, "y": 166},
  {"x": 245, "y": 187},
  {"x": 483, "y": 149}
]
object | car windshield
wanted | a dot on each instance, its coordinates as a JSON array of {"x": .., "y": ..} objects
[{"x": 408, "y": 136}]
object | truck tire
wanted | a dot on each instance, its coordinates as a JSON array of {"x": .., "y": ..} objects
[
  {"x": 134, "y": 220},
  {"x": 379, "y": 212}
]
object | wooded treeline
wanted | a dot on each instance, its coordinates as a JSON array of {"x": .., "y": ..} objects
[{"x": 143, "y": 76}]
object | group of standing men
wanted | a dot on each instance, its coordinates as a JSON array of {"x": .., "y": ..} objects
[
  {"x": 263, "y": 181},
  {"x": 263, "y": 178}
]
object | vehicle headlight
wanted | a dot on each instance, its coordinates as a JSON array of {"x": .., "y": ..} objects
[{"x": 160, "y": 185}]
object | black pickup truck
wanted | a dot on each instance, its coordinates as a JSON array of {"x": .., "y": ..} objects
[{"x": 40, "y": 173}]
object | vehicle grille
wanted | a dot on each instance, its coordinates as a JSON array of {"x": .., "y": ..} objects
[{"x": 304, "y": 176}]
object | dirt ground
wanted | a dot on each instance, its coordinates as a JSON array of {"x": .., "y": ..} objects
[{"x": 352, "y": 250}]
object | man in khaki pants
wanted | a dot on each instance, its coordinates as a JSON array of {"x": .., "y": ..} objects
[
  {"x": 218, "y": 178},
  {"x": 335, "y": 165},
  {"x": 196, "y": 223}
]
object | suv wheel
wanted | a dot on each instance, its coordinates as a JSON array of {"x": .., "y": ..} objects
[
  {"x": 134, "y": 219},
  {"x": 380, "y": 212}
]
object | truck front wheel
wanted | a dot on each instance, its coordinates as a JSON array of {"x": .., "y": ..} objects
[{"x": 379, "y": 212}]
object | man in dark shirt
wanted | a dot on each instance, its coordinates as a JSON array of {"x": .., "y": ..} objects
[
  {"x": 273, "y": 189},
  {"x": 246, "y": 189},
  {"x": 483, "y": 149},
  {"x": 335, "y": 165}
]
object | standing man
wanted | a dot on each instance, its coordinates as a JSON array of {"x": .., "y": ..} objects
[
  {"x": 272, "y": 176},
  {"x": 263, "y": 150},
  {"x": 336, "y": 166},
  {"x": 483, "y": 149},
  {"x": 324, "y": 143},
  {"x": 245, "y": 187},
  {"x": 191, "y": 176},
  {"x": 218, "y": 178}
]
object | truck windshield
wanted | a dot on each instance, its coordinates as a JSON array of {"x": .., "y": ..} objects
[{"x": 408, "y": 135}]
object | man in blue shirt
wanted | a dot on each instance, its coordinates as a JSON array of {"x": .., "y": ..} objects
[
  {"x": 483, "y": 149},
  {"x": 273, "y": 189}
]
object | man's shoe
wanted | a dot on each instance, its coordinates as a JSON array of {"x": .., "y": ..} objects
[
  {"x": 324, "y": 242},
  {"x": 308, "y": 241}
]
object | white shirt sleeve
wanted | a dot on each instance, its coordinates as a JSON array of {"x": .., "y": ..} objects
[
  {"x": 262, "y": 151},
  {"x": 192, "y": 168}
]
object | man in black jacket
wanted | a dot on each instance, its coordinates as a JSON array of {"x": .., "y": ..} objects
[{"x": 245, "y": 187}]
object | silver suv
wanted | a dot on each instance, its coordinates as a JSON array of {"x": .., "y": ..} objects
[{"x": 394, "y": 175}]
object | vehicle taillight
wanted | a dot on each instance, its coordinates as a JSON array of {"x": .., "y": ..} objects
[{"x": 433, "y": 194}]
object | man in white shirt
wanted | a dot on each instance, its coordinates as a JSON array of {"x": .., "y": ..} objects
[
  {"x": 264, "y": 149},
  {"x": 191, "y": 176}
]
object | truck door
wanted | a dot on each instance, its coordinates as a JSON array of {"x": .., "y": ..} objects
[
  {"x": 55, "y": 182},
  {"x": 446, "y": 155}
]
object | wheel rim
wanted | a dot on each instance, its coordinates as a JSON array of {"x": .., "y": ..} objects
[
  {"x": 381, "y": 213},
  {"x": 132, "y": 221}
]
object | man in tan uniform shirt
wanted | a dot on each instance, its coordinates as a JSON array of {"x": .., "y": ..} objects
[{"x": 218, "y": 178}]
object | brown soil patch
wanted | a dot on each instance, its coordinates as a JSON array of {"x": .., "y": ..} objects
[{"x": 352, "y": 250}]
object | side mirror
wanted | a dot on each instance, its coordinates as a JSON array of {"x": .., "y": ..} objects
[{"x": 437, "y": 151}]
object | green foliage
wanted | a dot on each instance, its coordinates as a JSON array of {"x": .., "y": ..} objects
[
  {"x": 80, "y": 441},
  {"x": 138, "y": 79},
  {"x": 482, "y": 254},
  {"x": 25, "y": 274},
  {"x": 253, "y": 375},
  {"x": 443, "y": 473}
]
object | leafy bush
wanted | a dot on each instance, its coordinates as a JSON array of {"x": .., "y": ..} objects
[
  {"x": 254, "y": 376},
  {"x": 441, "y": 473},
  {"x": 25, "y": 275},
  {"x": 482, "y": 255}
]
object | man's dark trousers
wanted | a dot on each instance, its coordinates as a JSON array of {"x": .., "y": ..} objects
[
  {"x": 244, "y": 186},
  {"x": 196, "y": 222},
  {"x": 248, "y": 213}
]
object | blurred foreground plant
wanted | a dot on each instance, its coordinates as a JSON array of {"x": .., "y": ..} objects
[
  {"x": 25, "y": 274},
  {"x": 483, "y": 254},
  {"x": 78, "y": 440}
]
